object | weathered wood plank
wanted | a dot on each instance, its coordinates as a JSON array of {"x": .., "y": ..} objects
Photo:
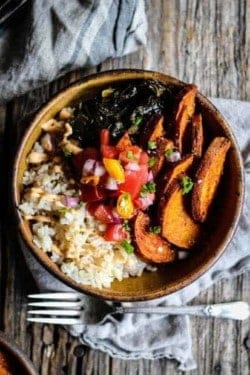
[{"x": 204, "y": 42}]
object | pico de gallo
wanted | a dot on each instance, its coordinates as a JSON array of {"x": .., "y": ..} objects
[{"x": 116, "y": 181}]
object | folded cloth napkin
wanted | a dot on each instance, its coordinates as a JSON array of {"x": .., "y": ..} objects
[
  {"x": 45, "y": 39},
  {"x": 153, "y": 336}
]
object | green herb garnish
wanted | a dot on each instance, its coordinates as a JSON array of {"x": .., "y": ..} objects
[
  {"x": 135, "y": 124},
  {"x": 126, "y": 225},
  {"x": 67, "y": 153},
  {"x": 169, "y": 152},
  {"x": 150, "y": 187},
  {"x": 152, "y": 145},
  {"x": 62, "y": 211},
  {"x": 152, "y": 161},
  {"x": 127, "y": 247},
  {"x": 130, "y": 155},
  {"x": 155, "y": 229},
  {"x": 187, "y": 184}
]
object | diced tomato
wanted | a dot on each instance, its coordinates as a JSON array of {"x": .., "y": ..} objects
[
  {"x": 115, "y": 232},
  {"x": 109, "y": 152},
  {"x": 80, "y": 158},
  {"x": 91, "y": 193},
  {"x": 144, "y": 158},
  {"x": 130, "y": 154},
  {"x": 104, "y": 137},
  {"x": 105, "y": 214},
  {"x": 134, "y": 180}
]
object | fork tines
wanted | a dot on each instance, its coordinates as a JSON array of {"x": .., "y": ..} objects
[{"x": 57, "y": 308}]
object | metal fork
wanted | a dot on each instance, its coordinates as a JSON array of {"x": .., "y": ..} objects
[{"x": 71, "y": 308}]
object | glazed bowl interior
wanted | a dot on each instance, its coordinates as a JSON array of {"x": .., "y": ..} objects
[
  {"x": 223, "y": 220},
  {"x": 19, "y": 362}
]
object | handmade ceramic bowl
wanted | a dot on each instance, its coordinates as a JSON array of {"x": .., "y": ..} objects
[
  {"x": 19, "y": 362},
  {"x": 172, "y": 277}
]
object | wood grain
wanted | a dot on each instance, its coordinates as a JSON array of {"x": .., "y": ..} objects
[{"x": 206, "y": 42}]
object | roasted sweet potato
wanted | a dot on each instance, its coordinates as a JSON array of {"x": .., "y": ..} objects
[
  {"x": 163, "y": 144},
  {"x": 183, "y": 114},
  {"x": 176, "y": 170},
  {"x": 197, "y": 135},
  {"x": 208, "y": 176},
  {"x": 124, "y": 142},
  {"x": 178, "y": 227},
  {"x": 150, "y": 246},
  {"x": 153, "y": 129}
]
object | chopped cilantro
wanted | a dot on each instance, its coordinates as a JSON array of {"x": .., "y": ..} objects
[
  {"x": 152, "y": 161},
  {"x": 187, "y": 184},
  {"x": 67, "y": 153},
  {"x": 152, "y": 145},
  {"x": 147, "y": 188},
  {"x": 169, "y": 152},
  {"x": 155, "y": 229},
  {"x": 62, "y": 211},
  {"x": 127, "y": 247},
  {"x": 135, "y": 125},
  {"x": 81, "y": 203},
  {"x": 126, "y": 225},
  {"x": 130, "y": 155}
]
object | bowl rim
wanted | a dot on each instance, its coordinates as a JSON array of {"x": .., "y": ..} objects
[
  {"x": 10, "y": 347},
  {"x": 104, "y": 293}
]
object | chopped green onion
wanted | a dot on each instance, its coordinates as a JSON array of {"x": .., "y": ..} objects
[
  {"x": 169, "y": 152},
  {"x": 62, "y": 211},
  {"x": 127, "y": 247},
  {"x": 156, "y": 230},
  {"x": 137, "y": 120},
  {"x": 187, "y": 184},
  {"x": 107, "y": 92},
  {"x": 150, "y": 187},
  {"x": 152, "y": 145},
  {"x": 152, "y": 161}
]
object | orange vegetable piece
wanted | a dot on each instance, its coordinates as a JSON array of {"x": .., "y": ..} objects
[
  {"x": 184, "y": 113},
  {"x": 163, "y": 144},
  {"x": 152, "y": 130},
  {"x": 178, "y": 227},
  {"x": 197, "y": 135},
  {"x": 124, "y": 142},
  {"x": 208, "y": 176},
  {"x": 176, "y": 170},
  {"x": 150, "y": 246}
]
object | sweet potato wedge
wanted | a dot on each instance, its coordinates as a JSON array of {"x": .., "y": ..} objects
[
  {"x": 176, "y": 170},
  {"x": 163, "y": 144},
  {"x": 150, "y": 246},
  {"x": 153, "y": 129},
  {"x": 183, "y": 114},
  {"x": 178, "y": 227},
  {"x": 197, "y": 135},
  {"x": 124, "y": 142},
  {"x": 208, "y": 176}
]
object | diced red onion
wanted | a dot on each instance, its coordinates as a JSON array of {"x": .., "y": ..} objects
[
  {"x": 88, "y": 166},
  {"x": 182, "y": 254},
  {"x": 175, "y": 156},
  {"x": 111, "y": 184},
  {"x": 132, "y": 166},
  {"x": 70, "y": 201},
  {"x": 99, "y": 169},
  {"x": 116, "y": 218},
  {"x": 147, "y": 201},
  {"x": 150, "y": 176}
]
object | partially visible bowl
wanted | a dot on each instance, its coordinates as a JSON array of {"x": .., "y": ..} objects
[
  {"x": 18, "y": 361},
  {"x": 172, "y": 277}
]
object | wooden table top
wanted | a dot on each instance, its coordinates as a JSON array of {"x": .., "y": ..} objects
[{"x": 205, "y": 42}]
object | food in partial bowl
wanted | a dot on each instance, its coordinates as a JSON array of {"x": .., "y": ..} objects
[
  {"x": 122, "y": 180},
  {"x": 12, "y": 360}
]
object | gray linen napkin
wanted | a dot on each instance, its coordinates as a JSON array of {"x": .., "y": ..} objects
[
  {"x": 150, "y": 336},
  {"x": 45, "y": 39}
]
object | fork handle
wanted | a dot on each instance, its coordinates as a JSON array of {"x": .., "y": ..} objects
[{"x": 230, "y": 310}]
